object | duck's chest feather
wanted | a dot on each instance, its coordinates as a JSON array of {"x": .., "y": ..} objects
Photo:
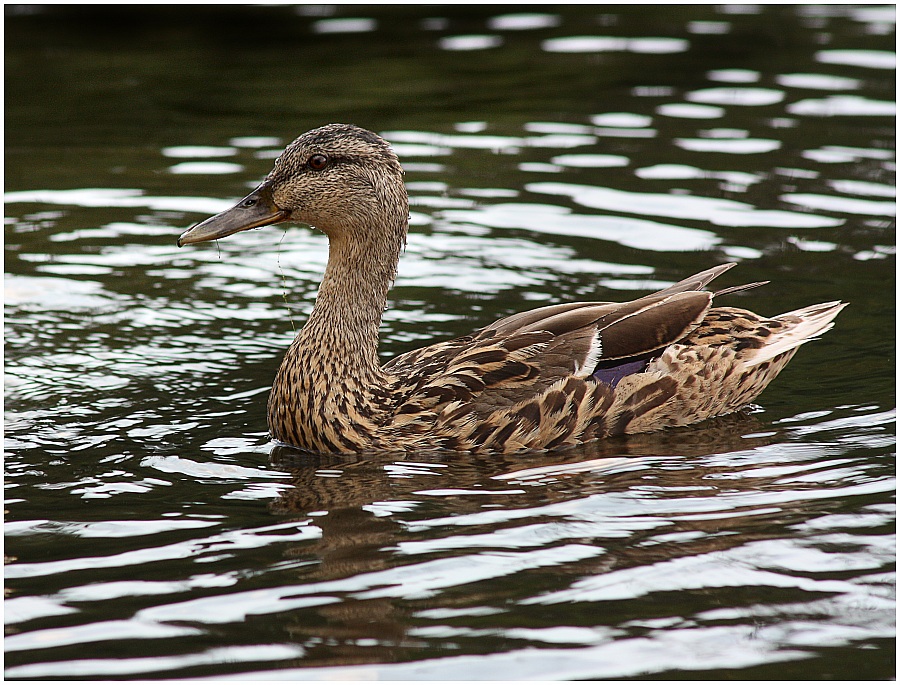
[{"x": 317, "y": 403}]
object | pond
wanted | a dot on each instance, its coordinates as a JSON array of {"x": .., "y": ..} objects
[{"x": 154, "y": 531}]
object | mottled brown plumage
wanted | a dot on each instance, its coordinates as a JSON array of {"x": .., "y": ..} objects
[{"x": 551, "y": 377}]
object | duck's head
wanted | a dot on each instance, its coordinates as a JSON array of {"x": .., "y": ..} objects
[{"x": 342, "y": 179}]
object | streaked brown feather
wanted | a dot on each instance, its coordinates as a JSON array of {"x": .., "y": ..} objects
[
  {"x": 525, "y": 382},
  {"x": 659, "y": 322}
]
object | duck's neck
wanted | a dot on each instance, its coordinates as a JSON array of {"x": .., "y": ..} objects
[
  {"x": 342, "y": 329},
  {"x": 330, "y": 392}
]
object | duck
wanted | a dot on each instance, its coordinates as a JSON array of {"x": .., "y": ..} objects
[{"x": 545, "y": 379}]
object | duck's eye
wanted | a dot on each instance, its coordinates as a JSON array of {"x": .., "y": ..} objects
[{"x": 317, "y": 162}]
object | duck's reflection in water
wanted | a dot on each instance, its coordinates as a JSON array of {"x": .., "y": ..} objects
[
  {"x": 329, "y": 482},
  {"x": 700, "y": 486}
]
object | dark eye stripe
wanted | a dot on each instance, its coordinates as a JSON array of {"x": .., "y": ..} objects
[{"x": 333, "y": 160}]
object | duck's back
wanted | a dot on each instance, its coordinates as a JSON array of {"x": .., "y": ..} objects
[{"x": 532, "y": 388}]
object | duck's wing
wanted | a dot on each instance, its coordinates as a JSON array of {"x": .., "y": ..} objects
[
  {"x": 534, "y": 316},
  {"x": 521, "y": 356}
]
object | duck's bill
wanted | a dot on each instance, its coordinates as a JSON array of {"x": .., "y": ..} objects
[{"x": 255, "y": 210}]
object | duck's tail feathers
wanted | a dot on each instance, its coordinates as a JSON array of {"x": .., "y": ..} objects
[
  {"x": 797, "y": 327},
  {"x": 739, "y": 288}
]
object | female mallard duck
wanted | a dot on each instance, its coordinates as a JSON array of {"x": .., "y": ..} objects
[{"x": 546, "y": 378}]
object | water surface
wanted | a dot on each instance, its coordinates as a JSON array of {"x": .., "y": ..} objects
[{"x": 153, "y": 531}]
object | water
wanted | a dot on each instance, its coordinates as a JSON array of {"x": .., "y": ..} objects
[{"x": 152, "y": 531}]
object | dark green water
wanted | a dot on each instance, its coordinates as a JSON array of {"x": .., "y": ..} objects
[{"x": 600, "y": 152}]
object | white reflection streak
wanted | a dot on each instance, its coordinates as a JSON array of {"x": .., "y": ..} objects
[
  {"x": 93, "y": 632},
  {"x": 702, "y": 571},
  {"x": 845, "y": 205},
  {"x": 223, "y": 543},
  {"x": 562, "y": 469},
  {"x": 739, "y": 146},
  {"x": 206, "y": 168},
  {"x": 873, "y": 59},
  {"x": 118, "y": 197},
  {"x": 748, "y": 97},
  {"x": 186, "y": 151},
  {"x": 843, "y": 105},
  {"x": 506, "y": 144},
  {"x": 187, "y": 467},
  {"x": 555, "y": 220},
  {"x": 154, "y": 664},
  {"x": 718, "y": 211}
]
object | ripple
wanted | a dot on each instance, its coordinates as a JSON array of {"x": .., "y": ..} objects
[
  {"x": 539, "y": 167},
  {"x": 559, "y": 140},
  {"x": 523, "y": 22},
  {"x": 94, "y": 632},
  {"x": 420, "y": 580},
  {"x": 614, "y": 44},
  {"x": 658, "y": 46},
  {"x": 733, "y": 75},
  {"x": 621, "y": 120},
  {"x": 54, "y": 294},
  {"x": 812, "y": 245},
  {"x": 683, "y": 171},
  {"x": 112, "y": 231},
  {"x": 187, "y": 467},
  {"x": 104, "y": 529},
  {"x": 680, "y": 575},
  {"x": 845, "y": 205},
  {"x": 740, "y": 146},
  {"x": 117, "y": 197},
  {"x": 863, "y": 188},
  {"x": 745, "y": 97},
  {"x": 101, "y": 592},
  {"x": 483, "y": 142},
  {"x": 472, "y": 42},
  {"x": 818, "y": 82},
  {"x": 883, "y": 15},
  {"x": 877, "y": 252},
  {"x": 490, "y": 265},
  {"x": 585, "y": 44},
  {"x": 836, "y": 154},
  {"x": 504, "y": 144},
  {"x": 198, "y": 151},
  {"x": 555, "y": 220},
  {"x": 255, "y": 141},
  {"x": 618, "y": 132},
  {"x": 661, "y": 651},
  {"x": 238, "y": 607},
  {"x": 198, "y": 547},
  {"x": 206, "y": 168},
  {"x": 557, "y": 127},
  {"x": 718, "y": 211},
  {"x": 844, "y": 105},
  {"x": 709, "y": 28},
  {"x": 684, "y": 110},
  {"x": 871, "y": 59},
  {"x": 420, "y": 150},
  {"x": 23, "y": 609},
  {"x": 671, "y": 172},
  {"x": 591, "y": 161},
  {"x": 470, "y": 126},
  {"x": 124, "y": 666},
  {"x": 344, "y": 25}
]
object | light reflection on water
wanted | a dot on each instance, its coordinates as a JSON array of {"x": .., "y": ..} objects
[{"x": 150, "y": 518}]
